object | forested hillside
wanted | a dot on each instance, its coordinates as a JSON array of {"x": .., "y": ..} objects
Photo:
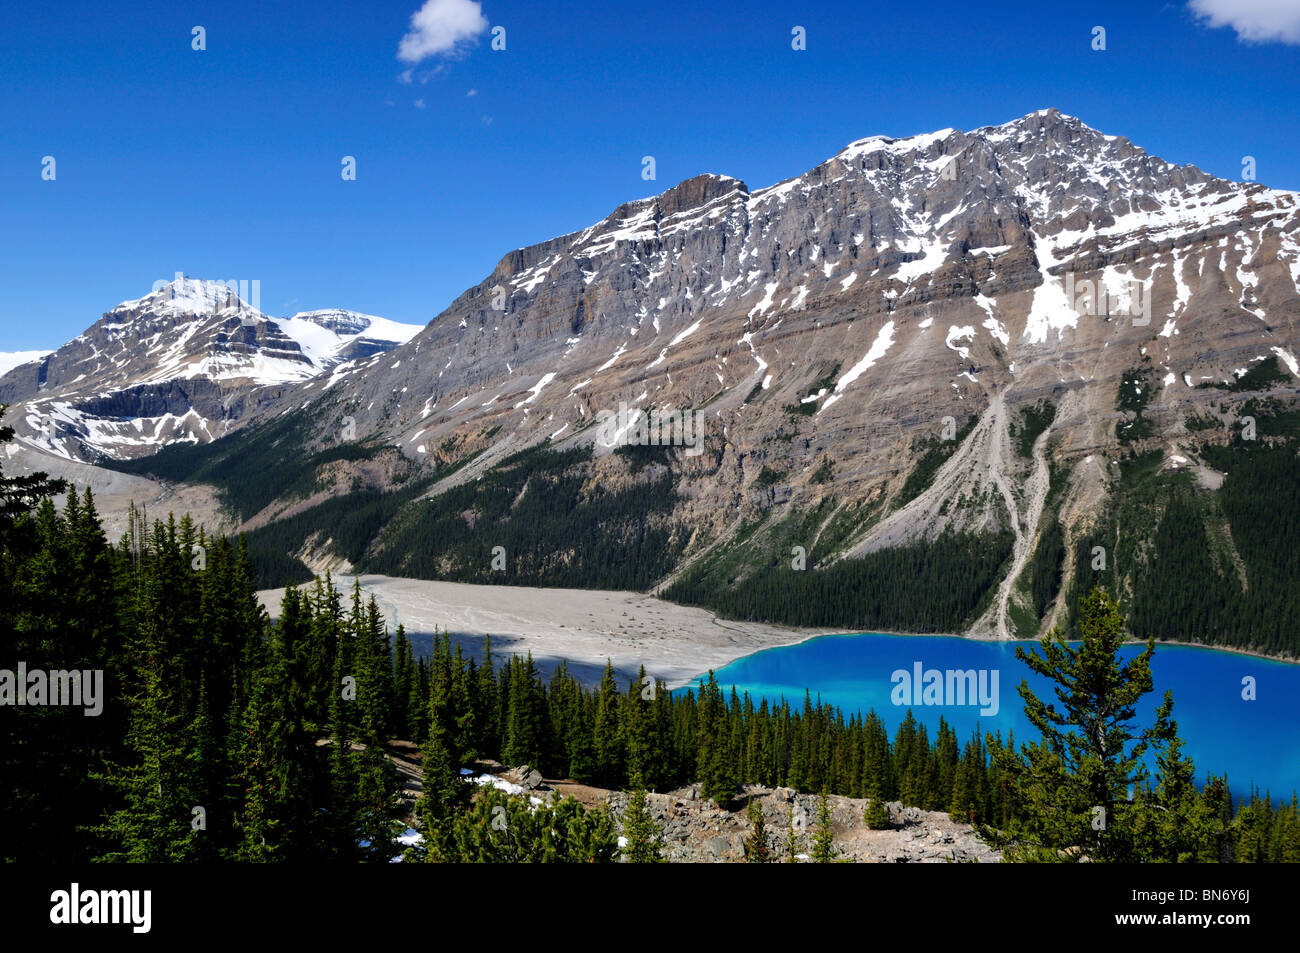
[{"x": 225, "y": 736}]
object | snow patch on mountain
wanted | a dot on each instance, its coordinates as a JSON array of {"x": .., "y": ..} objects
[
  {"x": 884, "y": 339},
  {"x": 324, "y": 336},
  {"x": 11, "y": 359}
]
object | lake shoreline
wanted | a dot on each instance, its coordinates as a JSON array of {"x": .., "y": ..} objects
[
  {"x": 808, "y": 637},
  {"x": 585, "y": 627},
  {"x": 1235, "y": 710}
]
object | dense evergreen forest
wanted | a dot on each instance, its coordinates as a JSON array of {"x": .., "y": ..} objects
[
  {"x": 225, "y": 736},
  {"x": 933, "y": 586},
  {"x": 538, "y": 520},
  {"x": 554, "y": 526},
  {"x": 1197, "y": 566}
]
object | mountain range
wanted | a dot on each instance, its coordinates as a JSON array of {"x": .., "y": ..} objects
[{"x": 941, "y": 383}]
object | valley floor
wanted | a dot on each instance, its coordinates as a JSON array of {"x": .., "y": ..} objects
[{"x": 583, "y": 626}]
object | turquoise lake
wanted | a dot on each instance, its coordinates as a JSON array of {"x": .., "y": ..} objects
[{"x": 1251, "y": 741}]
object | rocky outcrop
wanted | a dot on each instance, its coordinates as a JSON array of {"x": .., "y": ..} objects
[{"x": 698, "y": 831}]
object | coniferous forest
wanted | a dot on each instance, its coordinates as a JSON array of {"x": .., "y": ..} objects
[{"x": 226, "y": 736}]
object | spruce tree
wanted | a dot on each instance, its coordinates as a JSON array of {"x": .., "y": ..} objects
[
  {"x": 608, "y": 741},
  {"x": 403, "y": 677},
  {"x": 445, "y": 792},
  {"x": 876, "y": 816},
  {"x": 714, "y": 766},
  {"x": 255, "y": 825},
  {"x": 643, "y": 843},
  {"x": 756, "y": 849},
  {"x": 1075, "y": 781},
  {"x": 824, "y": 850}
]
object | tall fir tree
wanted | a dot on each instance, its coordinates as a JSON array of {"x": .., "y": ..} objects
[{"x": 1075, "y": 781}]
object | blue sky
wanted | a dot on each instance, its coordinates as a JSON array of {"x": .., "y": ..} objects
[{"x": 225, "y": 163}]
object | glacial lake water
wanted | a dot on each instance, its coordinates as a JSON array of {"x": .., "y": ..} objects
[{"x": 1251, "y": 741}]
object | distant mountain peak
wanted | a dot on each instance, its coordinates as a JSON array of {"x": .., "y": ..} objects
[
  {"x": 332, "y": 336},
  {"x": 197, "y": 296},
  {"x": 183, "y": 363}
]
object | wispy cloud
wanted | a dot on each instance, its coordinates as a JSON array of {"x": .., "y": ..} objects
[
  {"x": 1256, "y": 21},
  {"x": 472, "y": 92},
  {"x": 441, "y": 27},
  {"x": 419, "y": 104}
]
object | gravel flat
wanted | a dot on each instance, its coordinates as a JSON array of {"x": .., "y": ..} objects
[{"x": 584, "y": 626}]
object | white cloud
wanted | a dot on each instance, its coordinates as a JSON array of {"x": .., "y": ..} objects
[
  {"x": 440, "y": 27},
  {"x": 1256, "y": 21},
  {"x": 419, "y": 104},
  {"x": 472, "y": 92}
]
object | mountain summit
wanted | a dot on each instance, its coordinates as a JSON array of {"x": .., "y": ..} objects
[{"x": 184, "y": 363}]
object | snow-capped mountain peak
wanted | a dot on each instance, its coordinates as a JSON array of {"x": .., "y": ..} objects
[
  {"x": 196, "y": 296},
  {"x": 182, "y": 363}
]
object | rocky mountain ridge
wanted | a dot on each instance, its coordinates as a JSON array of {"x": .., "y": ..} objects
[{"x": 953, "y": 339}]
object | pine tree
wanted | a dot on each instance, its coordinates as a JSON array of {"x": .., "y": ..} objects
[
  {"x": 524, "y": 721},
  {"x": 824, "y": 850},
  {"x": 255, "y": 825},
  {"x": 608, "y": 741},
  {"x": 638, "y": 731},
  {"x": 488, "y": 727},
  {"x": 714, "y": 765},
  {"x": 403, "y": 677},
  {"x": 445, "y": 792},
  {"x": 1178, "y": 826},
  {"x": 756, "y": 849},
  {"x": 153, "y": 823},
  {"x": 1075, "y": 783},
  {"x": 343, "y": 795},
  {"x": 643, "y": 843},
  {"x": 207, "y": 769},
  {"x": 876, "y": 816}
]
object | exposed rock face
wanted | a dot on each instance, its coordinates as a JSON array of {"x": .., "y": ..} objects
[
  {"x": 931, "y": 270},
  {"x": 841, "y": 318},
  {"x": 696, "y": 831}
]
